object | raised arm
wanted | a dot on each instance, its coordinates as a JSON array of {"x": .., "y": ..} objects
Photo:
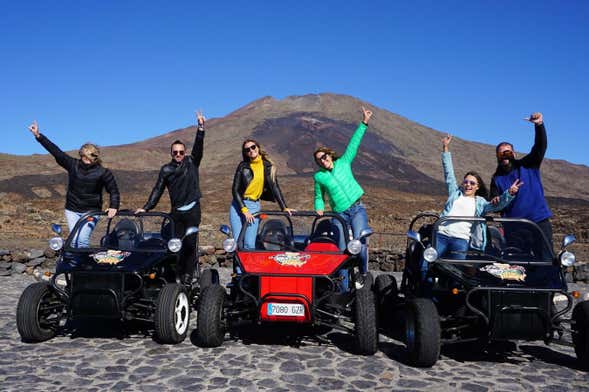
[
  {"x": 536, "y": 155},
  {"x": 197, "y": 147},
  {"x": 356, "y": 139},
  {"x": 62, "y": 159},
  {"x": 447, "y": 166}
]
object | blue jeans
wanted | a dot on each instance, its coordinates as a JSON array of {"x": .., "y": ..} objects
[
  {"x": 356, "y": 217},
  {"x": 237, "y": 220},
  {"x": 82, "y": 240},
  {"x": 447, "y": 246}
]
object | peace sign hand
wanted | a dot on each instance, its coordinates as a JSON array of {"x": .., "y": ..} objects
[
  {"x": 514, "y": 188},
  {"x": 367, "y": 114},
  {"x": 446, "y": 142},
  {"x": 34, "y": 128},
  {"x": 200, "y": 118}
]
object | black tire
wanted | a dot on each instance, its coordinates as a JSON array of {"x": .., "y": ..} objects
[
  {"x": 422, "y": 332},
  {"x": 208, "y": 278},
  {"x": 365, "y": 322},
  {"x": 580, "y": 329},
  {"x": 386, "y": 290},
  {"x": 172, "y": 314},
  {"x": 38, "y": 313},
  {"x": 211, "y": 323}
]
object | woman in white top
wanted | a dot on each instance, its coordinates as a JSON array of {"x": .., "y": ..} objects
[{"x": 455, "y": 238}]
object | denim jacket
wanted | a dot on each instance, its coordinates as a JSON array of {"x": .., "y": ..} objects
[{"x": 478, "y": 238}]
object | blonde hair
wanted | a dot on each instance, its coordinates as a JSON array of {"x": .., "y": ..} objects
[{"x": 90, "y": 151}]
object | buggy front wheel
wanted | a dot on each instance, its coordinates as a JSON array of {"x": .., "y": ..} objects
[
  {"x": 38, "y": 313},
  {"x": 172, "y": 314},
  {"x": 365, "y": 322},
  {"x": 422, "y": 332},
  {"x": 580, "y": 329},
  {"x": 210, "y": 323}
]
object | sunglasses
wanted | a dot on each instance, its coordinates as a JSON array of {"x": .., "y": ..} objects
[
  {"x": 250, "y": 148},
  {"x": 505, "y": 154},
  {"x": 178, "y": 152},
  {"x": 322, "y": 157},
  {"x": 469, "y": 182}
]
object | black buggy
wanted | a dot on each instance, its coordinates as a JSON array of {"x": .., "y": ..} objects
[
  {"x": 512, "y": 289},
  {"x": 126, "y": 272}
]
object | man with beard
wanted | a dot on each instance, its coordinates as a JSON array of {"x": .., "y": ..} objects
[
  {"x": 180, "y": 177},
  {"x": 529, "y": 202}
]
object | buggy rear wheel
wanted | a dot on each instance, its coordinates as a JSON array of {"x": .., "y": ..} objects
[
  {"x": 581, "y": 332},
  {"x": 365, "y": 322},
  {"x": 386, "y": 295},
  {"x": 172, "y": 314},
  {"x": 210, "y": 318},
  {"x": 422, "y": 332},
  {"x": 38, "y": 313}
]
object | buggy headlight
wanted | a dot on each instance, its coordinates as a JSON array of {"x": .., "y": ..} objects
[
  {"x": 430, "y": 254},
  {"x": 229, "y": 245},
  {"x": 354, "y": 247},
  {"x": 174, "y": 245},
  {"x": 56, "y": 243},
  {"x": 567, "y": 259}
]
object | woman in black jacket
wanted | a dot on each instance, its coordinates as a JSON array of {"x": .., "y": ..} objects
[
  {"x": 86, "y": 180},
  {"x": 255, "y": 180}
]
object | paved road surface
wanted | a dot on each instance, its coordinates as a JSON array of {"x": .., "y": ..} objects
[{"x": 99, "y": 363}]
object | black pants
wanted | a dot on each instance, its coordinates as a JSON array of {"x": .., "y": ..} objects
[{"x": 189, "y": 252}]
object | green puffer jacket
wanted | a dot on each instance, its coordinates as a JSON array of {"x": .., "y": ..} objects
[{"x": 339, "y": 183}]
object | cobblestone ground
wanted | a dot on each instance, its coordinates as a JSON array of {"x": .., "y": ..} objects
[{"x": 138, "y": 363}]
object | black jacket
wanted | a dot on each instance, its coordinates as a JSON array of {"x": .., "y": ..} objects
[
  {"x": 243, "y": 177},
  {"x": 85, "y": 182},
  {"x": 181, "y": 179}
]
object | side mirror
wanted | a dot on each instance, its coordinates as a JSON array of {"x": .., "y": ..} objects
[
  {"x": 567, "y": 240},
  {"x": 191, "y": 230},
  {"x": 412, "y": 235},
  {"x": 56, "y": 228},
  {"x": 225, "y": 230}
]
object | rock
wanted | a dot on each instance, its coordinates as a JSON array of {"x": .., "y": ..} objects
[
  {"x": 19, "y": 256},
  {"x": 34, "y": 254},
  {"x": 5, "y": 272},
  {"x": 49, "y": 253},
  {"x": 18, "y": 268},
  {"x": 207, "y": 249},
  {"x": 29, "y": 270},
  {"x": 581, "y": 272},
  {"x": 7, "y": 257},
  {"x": 35, "y": 262},
  {"x": 4, "y": 252},
  {"x": 4, "y": 265}
]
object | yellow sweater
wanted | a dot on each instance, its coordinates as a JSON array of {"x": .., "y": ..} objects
[{"x": 256, "y": 186}]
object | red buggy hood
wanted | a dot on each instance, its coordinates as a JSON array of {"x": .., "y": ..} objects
[{"x": 286, "y": 262}]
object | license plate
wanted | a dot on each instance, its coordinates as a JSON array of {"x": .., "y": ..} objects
[{"x": 293, "y": 310}]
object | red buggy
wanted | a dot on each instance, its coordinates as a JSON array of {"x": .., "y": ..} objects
[{"x": 303, "y": 270}]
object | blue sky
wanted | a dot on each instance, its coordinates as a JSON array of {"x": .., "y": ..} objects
[{"x": 115, "y": 72}]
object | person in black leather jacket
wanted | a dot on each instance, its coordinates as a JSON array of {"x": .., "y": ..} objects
[
  {"x": 254, "y": 180},
  {"x": 86, "y": 180},
  {"x": 180, "y": 177}
]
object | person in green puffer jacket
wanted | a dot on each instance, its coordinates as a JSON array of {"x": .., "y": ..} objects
[{"x": 335, "y": 178}]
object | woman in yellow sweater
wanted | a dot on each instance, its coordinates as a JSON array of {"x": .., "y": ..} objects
[{"x": 255, "y": 180}]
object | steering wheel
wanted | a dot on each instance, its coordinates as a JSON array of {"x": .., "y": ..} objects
[{"x": 511, "y": 251}]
